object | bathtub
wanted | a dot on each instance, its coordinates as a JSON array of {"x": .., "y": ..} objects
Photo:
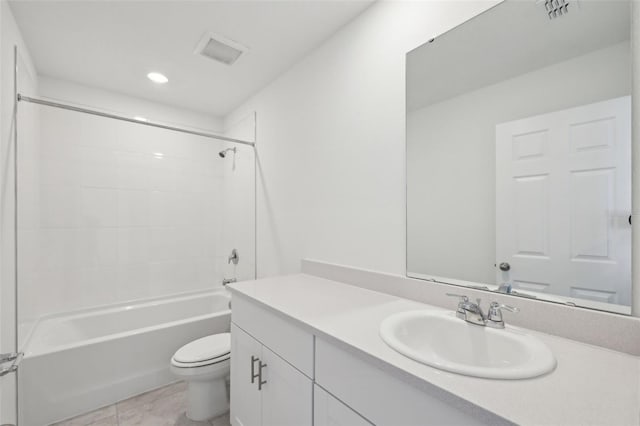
[{"x": 80, "y": 361}]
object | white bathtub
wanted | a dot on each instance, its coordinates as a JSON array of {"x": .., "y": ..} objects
[{"x": 81, "y": 361}]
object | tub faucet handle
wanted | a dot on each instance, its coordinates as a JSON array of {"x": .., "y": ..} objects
[{"x": 234, "y": 257}]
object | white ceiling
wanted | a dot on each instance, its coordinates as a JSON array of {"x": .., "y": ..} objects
[
  {"x": 114, "y": 44},
  {"x": 508, "y": 40}
]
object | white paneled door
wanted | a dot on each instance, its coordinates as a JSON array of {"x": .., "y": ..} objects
[{"x": 563, "y": 201}]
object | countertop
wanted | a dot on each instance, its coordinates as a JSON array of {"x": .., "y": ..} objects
[{"x": 590, "y": 385}]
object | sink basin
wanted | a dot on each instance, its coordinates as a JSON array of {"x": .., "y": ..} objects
[{"x": 443, "y": 341}]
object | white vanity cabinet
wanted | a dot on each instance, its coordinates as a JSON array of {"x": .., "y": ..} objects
[
  {"x": 300, "y": 379},
  {"x": 267, "y": 387},
  {"x": 328, "y": 411},
  {"x": 386, "y": 400}
]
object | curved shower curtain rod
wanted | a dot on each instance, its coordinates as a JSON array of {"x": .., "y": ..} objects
[{"x": 22, "y": 98}]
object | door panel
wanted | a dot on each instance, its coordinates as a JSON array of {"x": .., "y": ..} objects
[
  {"x": 286, "y": 395},
  {"x": 563, "y": 198},
  {"x": 245, "y": 396},
  {"x": 328, "y": 411}
]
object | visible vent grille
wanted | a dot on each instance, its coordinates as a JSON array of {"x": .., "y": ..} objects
[
  {"x": 220, "y": 49},
  {"x": 558, "y": 8}
]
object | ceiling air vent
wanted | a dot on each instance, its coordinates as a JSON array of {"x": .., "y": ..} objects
[
  {"x": 218, "y": 48},
  {"x": 558, "y": 8}
]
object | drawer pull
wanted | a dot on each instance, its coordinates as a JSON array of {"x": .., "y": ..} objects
[
  {"x": 261, "y": 382},
  {"x": 254, "y": 376}
]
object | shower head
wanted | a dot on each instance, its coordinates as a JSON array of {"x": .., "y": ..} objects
[{"x": 223, "y": 153}]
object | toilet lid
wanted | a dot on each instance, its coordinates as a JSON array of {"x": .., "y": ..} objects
[{"x": 215, "y": 347}]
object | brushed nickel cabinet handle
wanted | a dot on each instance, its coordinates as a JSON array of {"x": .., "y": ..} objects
[
  {"x": 254, "y": 376},
  {"x": 261, "y": 382}
]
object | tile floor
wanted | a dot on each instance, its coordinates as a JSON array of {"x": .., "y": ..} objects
[{"x": 162, "y": 407}]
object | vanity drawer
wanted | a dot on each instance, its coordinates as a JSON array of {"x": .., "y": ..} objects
[
  {"x": 386, "y": 400},
  {"x": 280, "y": 335},
  {"x": 328, "y": 411}
]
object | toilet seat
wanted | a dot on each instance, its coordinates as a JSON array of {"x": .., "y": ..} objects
[{"x": 210, "y": 350}]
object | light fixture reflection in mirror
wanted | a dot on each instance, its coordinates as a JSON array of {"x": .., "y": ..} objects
[{"x": 519, "y": 154}]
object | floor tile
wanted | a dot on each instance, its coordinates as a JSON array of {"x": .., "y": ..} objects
[
  {"x": 165, "y": 410},
  {"x": 109, "y": 421},
  {"x": 142, "y": 418},
  {"x": 183, "y": 420},
  {"x": 161, "y": 407},
  {"x": 151, "y": 396},
  {"x": 223, "y": 420}
]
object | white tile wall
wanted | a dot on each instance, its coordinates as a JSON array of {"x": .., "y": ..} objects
[{"x": 126, "y": 212}]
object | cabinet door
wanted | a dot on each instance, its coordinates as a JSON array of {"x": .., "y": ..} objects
[
  {"x": 245, "y": 396},
  {"x": 328, "y": 411},
  {"x": 287, "y": 395}
]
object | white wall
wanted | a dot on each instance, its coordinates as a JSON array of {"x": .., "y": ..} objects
[
  {"x": 126, "y": 211},
  {"x": 104, "y": 100},
  {"x": 238, "y": 195},
  {"x": 10, "y": 36},
  {"x": 331, "y": 142},
  {"x": 451, "y": 158}
]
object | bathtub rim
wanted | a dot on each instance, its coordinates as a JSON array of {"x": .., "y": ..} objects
[{"x": 120, "y": 306}]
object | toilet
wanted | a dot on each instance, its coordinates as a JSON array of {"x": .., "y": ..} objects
[{"x": 204, "y": 365}]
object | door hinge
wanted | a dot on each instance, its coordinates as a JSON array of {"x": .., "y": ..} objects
[{"x": 14, "y": 358}]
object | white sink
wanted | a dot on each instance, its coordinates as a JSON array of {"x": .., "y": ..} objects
[{"x": 441, "y": 340}]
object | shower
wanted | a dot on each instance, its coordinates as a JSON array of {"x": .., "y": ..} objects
[{"x": 223, "y": 153}]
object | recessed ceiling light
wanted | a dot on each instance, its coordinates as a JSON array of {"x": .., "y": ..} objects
[{"x": 156, "y": 77}]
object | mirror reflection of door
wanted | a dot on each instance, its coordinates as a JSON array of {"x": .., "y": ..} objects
[
  {"x": 551, "y": 197},
  {"x": 563, "y": 198}
]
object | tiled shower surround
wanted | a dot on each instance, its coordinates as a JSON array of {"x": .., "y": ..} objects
[{"x": 125, "y": 212}]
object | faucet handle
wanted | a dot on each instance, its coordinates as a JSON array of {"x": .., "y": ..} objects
[
  {"x": 233, "y": 257},
  {"x": 494, "y": 316},
  {"x": 462, "y": 297},
  {"x": 460, "y": 312},
  {"x": 500, "y": 306}
]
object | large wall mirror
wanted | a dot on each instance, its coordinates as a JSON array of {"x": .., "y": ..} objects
[{"x": 519, "y": 153}]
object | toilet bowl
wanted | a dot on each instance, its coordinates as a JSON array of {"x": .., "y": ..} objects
[{"x": 204, "y": 365}]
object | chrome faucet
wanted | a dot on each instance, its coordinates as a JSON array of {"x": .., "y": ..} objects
[
  {"x": 494, "y": 317},
  {"x": 472, "y": 312},
  {"x": 226, "y": 281},
  {"x": 469, "y": 311}
]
